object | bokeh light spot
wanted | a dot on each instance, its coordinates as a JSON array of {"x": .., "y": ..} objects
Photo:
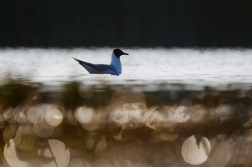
[
  {"x": 84, "y": 114},
  {"x": 196, "y": 153},
  {"x": 34, "y": 114},
  {"x": 10, "y": 155},
  {"x": 54, "y": 117}
]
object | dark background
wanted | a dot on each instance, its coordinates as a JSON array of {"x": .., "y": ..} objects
[{"x": 129, "y": 23}]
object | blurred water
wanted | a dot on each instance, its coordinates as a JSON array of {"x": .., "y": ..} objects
[{"x": 218, "y": 68}]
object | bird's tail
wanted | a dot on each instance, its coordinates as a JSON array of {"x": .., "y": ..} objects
[{"x": 78, "y": 60}]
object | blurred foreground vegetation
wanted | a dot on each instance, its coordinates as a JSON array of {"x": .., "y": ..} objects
[{"x": 123, "y": 126}]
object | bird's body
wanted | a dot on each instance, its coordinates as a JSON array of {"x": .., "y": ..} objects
[{"x": 114, "y": 68}]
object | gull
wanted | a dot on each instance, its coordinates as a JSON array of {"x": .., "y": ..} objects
[{"x": 114, "y": 68}]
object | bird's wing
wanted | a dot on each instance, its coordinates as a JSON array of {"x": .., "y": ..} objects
[
  {"x": 105, "y": 67},
  {"x": 79, "y": 61},
  {"x": 99, "y": 68}
]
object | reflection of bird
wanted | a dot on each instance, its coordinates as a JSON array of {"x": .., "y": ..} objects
[{"x": 115, "y": 67}]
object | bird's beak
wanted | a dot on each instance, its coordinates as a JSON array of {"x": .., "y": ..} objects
[{"x": 125, "y": 53}]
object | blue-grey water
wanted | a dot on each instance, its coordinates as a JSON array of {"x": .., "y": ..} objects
[{"x": 218, "y": 68}]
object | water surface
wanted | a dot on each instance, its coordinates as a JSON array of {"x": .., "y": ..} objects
[
  {"x": 165, "y": 123},
  {"x": 218, "y": 68}
]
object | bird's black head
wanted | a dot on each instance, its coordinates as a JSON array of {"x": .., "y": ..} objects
[{"x": 119, "y": 52}]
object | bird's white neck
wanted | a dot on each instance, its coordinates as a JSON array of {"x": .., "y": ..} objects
[{"x": 115, "y": 61}]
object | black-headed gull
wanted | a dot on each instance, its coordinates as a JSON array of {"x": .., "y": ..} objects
[{"x": 114, "y": 68}]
